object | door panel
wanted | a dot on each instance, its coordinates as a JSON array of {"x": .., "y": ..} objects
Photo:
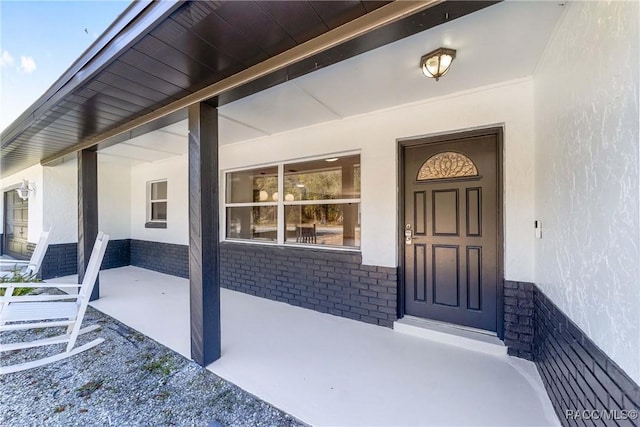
[
  {"x": 419, "y": 217},
  {"x": 474, "y": 278},
  {"x": 450, "y": 198},
  {"x": 445, "y": 212},
  {"x": 420, "y": 283},
  {"x": 474, "y": 212},
  {"x": 446, "y": 282}
]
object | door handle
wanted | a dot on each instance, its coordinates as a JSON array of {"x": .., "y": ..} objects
[{"x": 408, "y": 235}]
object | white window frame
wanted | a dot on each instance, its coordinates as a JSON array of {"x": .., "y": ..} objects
[
  {"x": 281, "y": 203},
  {"x": 150, "y": 201}
]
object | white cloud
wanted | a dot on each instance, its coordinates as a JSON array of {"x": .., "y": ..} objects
[
  {"x": 6, "y": 59},
  {"x": 27, "y": 64}
]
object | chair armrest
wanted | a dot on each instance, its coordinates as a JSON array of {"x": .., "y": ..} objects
[
  {"x": 38, "y": 285},
  {"x": 35, "y": 298},
  {"x": 14, "y": 261},
  {"x": 55, "y": 285}
]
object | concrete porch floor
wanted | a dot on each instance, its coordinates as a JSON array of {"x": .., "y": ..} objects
[{"x": 330, "y": 371}]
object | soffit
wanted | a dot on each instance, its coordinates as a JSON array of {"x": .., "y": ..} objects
[{"x": 498, "y": 44}]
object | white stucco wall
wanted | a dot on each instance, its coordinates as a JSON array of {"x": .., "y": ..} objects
[
  {"x": 34, "y": 175},
  {"x": 61, "y": 200},
  {"x": 587, "y": 175},
  {"x": 375, "y": 136},
  {"x": 175, "y": 171},
  {"x": 114, "y": 199}
]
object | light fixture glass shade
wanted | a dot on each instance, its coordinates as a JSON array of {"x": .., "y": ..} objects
[
  {"x": 24, "y": 190},
  {"x": 437, "y": 63}
]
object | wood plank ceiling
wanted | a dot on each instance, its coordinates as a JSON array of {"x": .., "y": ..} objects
[{"x": 197, "y": 44}]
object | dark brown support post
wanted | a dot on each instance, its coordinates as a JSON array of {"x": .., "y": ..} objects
[
  {"x": 87, "y": 212},
  {"x": 204, "y": 244}
]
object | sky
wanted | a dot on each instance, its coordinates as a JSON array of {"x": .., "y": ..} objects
[{"x": 39, "y": 40}]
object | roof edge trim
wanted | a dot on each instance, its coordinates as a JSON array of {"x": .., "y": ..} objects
[{"x": 131, "y": 24}]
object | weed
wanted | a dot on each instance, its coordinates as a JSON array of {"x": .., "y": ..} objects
[
  {"x": 89, "y": 388},
  {"x": 138, "y": 336},
  {"x": 163, "y": 395},
  {"x": 59, "y": 409},
  {"x": 160, "y": 366}
]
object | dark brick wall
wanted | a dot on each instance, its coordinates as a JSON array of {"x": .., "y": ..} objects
[
  {"x": 118, "y": 254},
  {"x": 578, "y": 375},
  {"x": 325, "y": 281},
  {"x": 162, "y": 257},
  {"x": 62, "y": 259},
  {"x": 519, "y": 318},
  {"x": 30, "y": 248}
]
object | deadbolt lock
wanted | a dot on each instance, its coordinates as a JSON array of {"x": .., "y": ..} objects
[{"x": 408, "y": 235}]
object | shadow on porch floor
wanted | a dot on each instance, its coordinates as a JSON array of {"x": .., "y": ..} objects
[{"x": 326, "y": 370}]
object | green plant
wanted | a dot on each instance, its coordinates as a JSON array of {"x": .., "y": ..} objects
[
  {"x": 160, "y": 366},
  {"x": 17, "y": 277},
  {"x": 138, "y": 336}
]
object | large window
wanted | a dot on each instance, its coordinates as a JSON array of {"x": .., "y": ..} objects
[{"x": 320, "y": 203}]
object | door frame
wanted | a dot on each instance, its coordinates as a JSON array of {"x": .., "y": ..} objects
[{"x": 498, "y": 132}]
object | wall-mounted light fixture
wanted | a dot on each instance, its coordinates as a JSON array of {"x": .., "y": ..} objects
[
  {"x": 25, "y": 190},
  {"x": 436, "y": 64}
]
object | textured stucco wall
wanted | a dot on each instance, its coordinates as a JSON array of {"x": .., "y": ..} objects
[
  {"x": 587, "y": 175},
  {"x": 61, "y": 200},
  {"x": 33, "y": 174},
  {"x": 114, "y": 199},
  {"x": 374, "y": 135}
]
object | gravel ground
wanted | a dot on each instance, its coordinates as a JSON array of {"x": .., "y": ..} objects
[{"x": 128, "y": 380}]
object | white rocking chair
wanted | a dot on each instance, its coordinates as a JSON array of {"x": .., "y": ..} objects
[
  {"x": 42, "y": 311},
  {"x": 27, "y": 269}
]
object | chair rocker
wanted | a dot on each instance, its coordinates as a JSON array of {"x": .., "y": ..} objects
[
  {"x": 26, "y": 269},
  {"x": 43, "y": 311}
]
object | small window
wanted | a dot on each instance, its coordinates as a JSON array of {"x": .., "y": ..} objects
[{"x": 157, "y": 205}]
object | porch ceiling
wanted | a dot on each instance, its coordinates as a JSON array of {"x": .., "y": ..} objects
[
  {"x": 497, "y": 44},
  {"x": 159, "y": 52}
]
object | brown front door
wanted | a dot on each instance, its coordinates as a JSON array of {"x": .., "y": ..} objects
[
  {"x": 16, "y": 222},
  {"x": 451, "y": 231}
]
